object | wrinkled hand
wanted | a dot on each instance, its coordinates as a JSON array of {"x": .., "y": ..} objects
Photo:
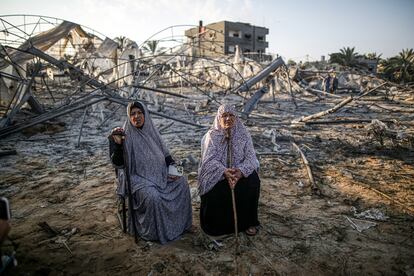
[
  {"x": 232, "y": 176},
  {"x": 118, "y": 135},
  {"x": 237, "y": 174},
  {"x": 228, "y": 175}
]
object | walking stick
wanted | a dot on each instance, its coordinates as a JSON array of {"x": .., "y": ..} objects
[
  {"x": 122, "y": 219},
  {"x": 233, "y": 197},
  {"x": 129, "y": 194}
]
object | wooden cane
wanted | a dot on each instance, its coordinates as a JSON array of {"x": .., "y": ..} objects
[{"x": 233, "y": 197}]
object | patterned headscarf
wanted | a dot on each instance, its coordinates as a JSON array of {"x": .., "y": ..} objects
[
  {"x": 214, "y": 156},
  {"x": 145, "y": 152}
]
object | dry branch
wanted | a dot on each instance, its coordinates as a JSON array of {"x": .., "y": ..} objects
[
  {"x": 336, "y": 107},
  {"x": 392, "y": 200},
  {"x": 369, "y": 91},
  {"x": 315, "y": 187},
  {"x": 323, "y": 113},
  {"x": 313, "y": 91},
  {"x": 344, "y": 121}
]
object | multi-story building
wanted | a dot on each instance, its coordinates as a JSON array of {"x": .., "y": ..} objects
[
  {"x": 221, "y": 38},
  {"x": 370, "y": 64}
]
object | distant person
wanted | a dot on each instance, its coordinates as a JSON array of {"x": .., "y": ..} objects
[
  {"x": 228, "y": 161},
  {"x": 334, "y": 85},
  {"x": 327, "y": 83},
  {"x": 161, "y": 202}
]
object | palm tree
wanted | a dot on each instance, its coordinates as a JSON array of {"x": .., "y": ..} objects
[
  {"x": 346, "y": 57},
  {"x": 151, "y": 46},
  {"x": 291, "y": 62},
  {"x": 400, "y": 68},
  {"x": 373, "y": 56},
  {"x": 121, "y": 40}
]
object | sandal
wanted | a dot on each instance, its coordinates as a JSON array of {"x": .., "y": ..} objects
[{"x": 251, "y": 231}]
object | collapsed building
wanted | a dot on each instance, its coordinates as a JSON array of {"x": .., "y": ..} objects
[
  {"x": 107, "y": 68},
  {"x": 316, "y": 149},
  {"x": 68, "y": 67}
]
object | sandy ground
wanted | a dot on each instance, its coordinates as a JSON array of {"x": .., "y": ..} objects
[{"x": 72, "y": 189}]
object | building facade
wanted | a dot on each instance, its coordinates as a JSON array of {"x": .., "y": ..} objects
[
  {"x": 221, "y": 38},
  {"x": 370, "y": 64}
]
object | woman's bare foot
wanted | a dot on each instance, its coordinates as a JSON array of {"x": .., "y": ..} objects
[{"x": 251, "y": 231}]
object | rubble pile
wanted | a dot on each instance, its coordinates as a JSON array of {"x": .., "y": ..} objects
[{"x": 336, "y": 167}]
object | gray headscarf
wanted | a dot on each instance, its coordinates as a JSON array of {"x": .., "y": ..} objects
[
  {"x": 214, "y": 159},
  {"x": 145, "y": 152}
]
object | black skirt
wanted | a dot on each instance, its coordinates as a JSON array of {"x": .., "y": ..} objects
[{"x": 216, "y": 211}]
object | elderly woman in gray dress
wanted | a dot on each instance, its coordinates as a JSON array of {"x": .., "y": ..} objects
[
  {"x": 228, "y": 162},
  {"x": 160, "y": 198}
]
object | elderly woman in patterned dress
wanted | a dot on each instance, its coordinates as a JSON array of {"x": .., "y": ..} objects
[
  {"x": 216, "y": 178},
  {"x": 161, "y": 203}
]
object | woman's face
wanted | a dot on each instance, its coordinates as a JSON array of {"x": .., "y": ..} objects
[
  {"x": 227, "y": 120},
  {"x": 137, "y": 117}
]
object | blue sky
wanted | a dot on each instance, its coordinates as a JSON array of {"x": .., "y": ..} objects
[{"x": 298, "y": 29}]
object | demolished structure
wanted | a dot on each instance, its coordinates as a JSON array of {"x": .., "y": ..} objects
[
  {"x": 99, "y": 69},
  {"x": 317, "y": 150}
]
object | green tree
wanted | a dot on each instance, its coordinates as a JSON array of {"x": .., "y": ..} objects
[
  {"x": 399, "y": 68},
  {"x": 291, "y": 62},
  {"x": 121, "y": 40},
  {"x": 373, "y": 56},
  {"x": 346, "y": 57},
  {"x": 151, "y": 46}
]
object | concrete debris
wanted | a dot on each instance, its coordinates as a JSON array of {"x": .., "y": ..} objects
[
  {"x": 322, "y": 148},
  {"x": 360, "y": 225},
  {"x": 372, "y": 213}
]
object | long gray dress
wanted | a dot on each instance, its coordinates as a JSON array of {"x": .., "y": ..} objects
[{"x": 161, "y": 208}]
